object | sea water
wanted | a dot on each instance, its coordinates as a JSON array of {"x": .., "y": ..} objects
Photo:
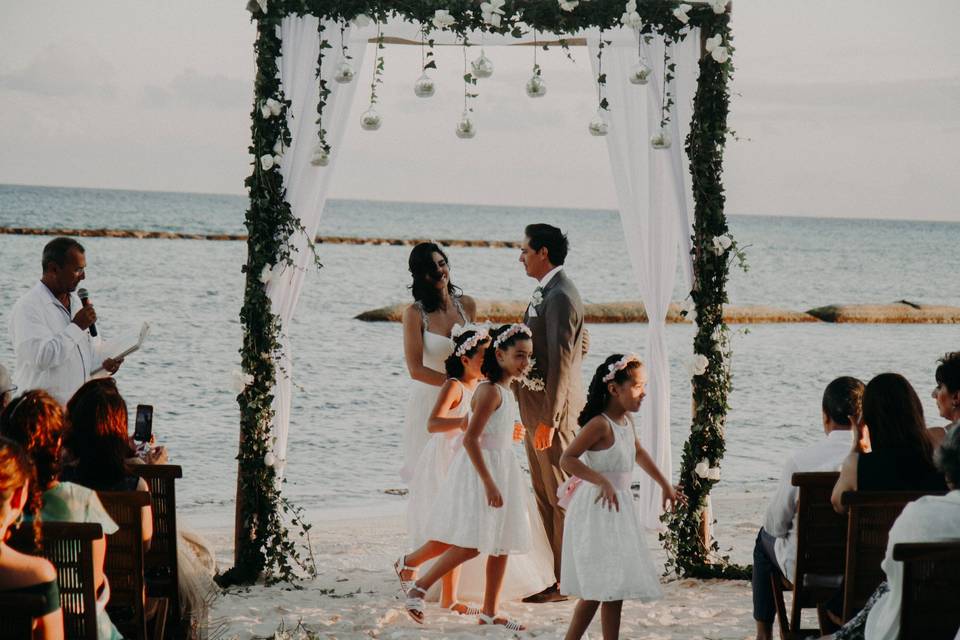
[{"x": 349, "y": 376}]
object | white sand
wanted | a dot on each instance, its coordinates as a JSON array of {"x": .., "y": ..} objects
[{"x": 355, "y": 594}]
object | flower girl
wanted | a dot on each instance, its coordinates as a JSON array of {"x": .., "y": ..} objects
[
  {"x": 447, "y": 422},
  {"x": 482, "y": 507},
  {"x": 605, "y": 556}
]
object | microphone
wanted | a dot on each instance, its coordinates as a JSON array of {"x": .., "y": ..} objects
[{"x": 85, "y": 300}]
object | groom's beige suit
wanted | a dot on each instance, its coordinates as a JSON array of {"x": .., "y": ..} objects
[{"x": 557, "y": 327}]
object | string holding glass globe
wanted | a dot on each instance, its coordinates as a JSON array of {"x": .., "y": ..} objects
[
  {"x": 598, "y": 126},
  {"x": 466, "y": 129},
  {"x": 370, "y": 120},
  {"x": 482, "y": 66},
  {"x": 640, "y": 73},
  {"x": 661, "y": 139},
  {"x": 536, "y": 87},
  {"x": 343, "y": 73},
  {"x": 424, "y": 87}
]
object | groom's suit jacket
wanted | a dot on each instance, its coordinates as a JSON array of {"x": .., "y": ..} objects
[
  {"x": 557, "y": 331},
  {"x": 558, "y": 350}
]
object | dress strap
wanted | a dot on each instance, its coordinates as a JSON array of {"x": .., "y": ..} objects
[
  {"x": 423, "y": 314},
  {"x": 463, "y": 314}
]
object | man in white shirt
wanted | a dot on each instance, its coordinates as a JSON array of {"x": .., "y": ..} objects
[
  {"x": 50, "y": 327},
  {"x": 775, "y": 550}
]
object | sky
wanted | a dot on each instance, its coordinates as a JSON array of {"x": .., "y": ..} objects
[{"x": 843, "y": 109}]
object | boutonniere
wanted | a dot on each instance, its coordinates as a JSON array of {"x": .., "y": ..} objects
[{"x": 537, "y": 298}]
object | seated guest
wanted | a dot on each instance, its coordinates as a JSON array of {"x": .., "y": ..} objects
[
  {"x": 776, "y": 545},
  {"x": 6, "y": 388},
  {"x": 947, "y": 393},
  {"x": 35, "y": 422},
  {"x": 929, "y": 519},
  {"x": 99, "y": 446},
  {"x": 894, "y": 451},
  {"x": 21, "y": 573}
]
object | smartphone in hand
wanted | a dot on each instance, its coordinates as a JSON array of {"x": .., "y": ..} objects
[{"x": 143, "y": 431}]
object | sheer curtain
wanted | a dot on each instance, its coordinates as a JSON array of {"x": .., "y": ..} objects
[
  {"x": 653, "y": 197},
  {"x": 306, "y": 185}
]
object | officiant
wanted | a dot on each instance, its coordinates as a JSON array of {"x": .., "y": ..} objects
[{"x": 53, "y": 332}]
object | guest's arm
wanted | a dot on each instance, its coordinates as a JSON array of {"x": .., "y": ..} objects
[
  {"x": 451, "y": 395},
  {"x": 486, "y": 401},
  {"x": 783, "y": 505},
  {"x": 846, "y": 482},
  {"x": 413, "y": 349}
]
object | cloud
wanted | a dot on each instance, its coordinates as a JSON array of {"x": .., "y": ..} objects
[
  {"x": 60, "y": 70},
  {"x": 196, "y": 89}
]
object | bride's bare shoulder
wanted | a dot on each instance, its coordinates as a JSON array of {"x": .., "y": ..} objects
[{"x": 469, "y": 306}]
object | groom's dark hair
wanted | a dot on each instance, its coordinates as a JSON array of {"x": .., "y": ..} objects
[{"x": 545, "y": 235}]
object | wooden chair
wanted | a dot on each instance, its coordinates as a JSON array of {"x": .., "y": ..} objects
[
  {"x": 17, "y": 613},
  {"x": 870, "y": 515},
  {"x": 931, "y": 582},
  {"x": 160, "y": 560},
  {"x": 69, "y": 546},
  {"x": 123, "y": 567},
  {"x": 821, "y": 547}
]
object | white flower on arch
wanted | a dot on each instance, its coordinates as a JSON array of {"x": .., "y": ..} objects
[
  {"x": 680, "y": 13},
  {"x": 491, "y": 11},
  {"x": 442, "y": 19},
  {"x": 568, "y": 5}
]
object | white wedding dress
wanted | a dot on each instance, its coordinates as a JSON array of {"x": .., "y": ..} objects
[{"x": 436, "y": 349}]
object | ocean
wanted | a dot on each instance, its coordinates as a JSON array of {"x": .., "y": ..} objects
[{"x": 350, "y": 380}]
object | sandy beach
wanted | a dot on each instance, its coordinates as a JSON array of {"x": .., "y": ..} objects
[{"x": 355, "y": 593}]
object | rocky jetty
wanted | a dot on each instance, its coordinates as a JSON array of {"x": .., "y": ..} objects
[{"x": 900, "y": 312}]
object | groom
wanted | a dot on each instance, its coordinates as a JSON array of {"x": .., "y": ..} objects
[{"x": 550, "y": 411}]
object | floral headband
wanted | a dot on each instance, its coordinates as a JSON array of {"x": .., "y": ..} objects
[
  {"x": 512, "y": 331},
  {"x": 481, "y": 335},
  {"x": 620, "y": 365}
]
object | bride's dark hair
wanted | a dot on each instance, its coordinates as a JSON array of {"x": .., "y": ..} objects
[
  {"x": 597, "y": 394},
  {"x": 453, "y": 364},
  {"x": 425, "y": 276}
]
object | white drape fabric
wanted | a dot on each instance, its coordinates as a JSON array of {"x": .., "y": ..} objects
[
  {"x": 306, "y": 185},
  {"x": 653, "y": 197}
]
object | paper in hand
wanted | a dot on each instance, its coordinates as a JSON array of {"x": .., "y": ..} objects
[{"x": 124, "y": 346}]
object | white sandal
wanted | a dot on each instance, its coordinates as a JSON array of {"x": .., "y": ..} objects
[
  {"x": 470, "y": 611},
  {"x": 415, "y": 605},
  {"x": 510, "y": 625},
  {"x": 399, "y": 567}
]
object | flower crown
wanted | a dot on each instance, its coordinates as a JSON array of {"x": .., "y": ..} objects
[
  {"x": 620, "y": 365},
  {"x": 513, "y": 330},
  {"x": 481, "y": 335}
]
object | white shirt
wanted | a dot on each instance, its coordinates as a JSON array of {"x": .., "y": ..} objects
[
  {"x": 929, "y": 519},
  {"x": 545, "y": 280},
  {"x": 51, "y": 352},
  {"x": 781, "y": 517}
]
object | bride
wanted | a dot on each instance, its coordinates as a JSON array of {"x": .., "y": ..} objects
[{"x": 428, "y": 323}]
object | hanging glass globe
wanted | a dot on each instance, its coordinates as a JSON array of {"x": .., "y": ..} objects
[
  {"x": 465, "y": 127},
  {"x": 598, "y": 126},
  {"x": 370, "y": 120},
  {"x": 320, "y": 157},
  {"x": 344, "y": 72},
  {"x": 661, "y": 140},
  {"x": 640, "y": 73},
  {"x": 536, "y": 87},
  {"x": 424, "y": 87},
  {"x": 482, "y": 66}
]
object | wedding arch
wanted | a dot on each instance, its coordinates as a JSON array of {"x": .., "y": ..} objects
[{"x": 307, "y": 52}]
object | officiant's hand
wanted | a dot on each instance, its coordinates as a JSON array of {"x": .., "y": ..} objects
[
  {"x": 111, "y": 365},
  {"x": 543, "y": 437}
]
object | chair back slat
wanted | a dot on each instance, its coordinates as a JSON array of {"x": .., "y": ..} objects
[
  {"x": 161, "y": 559},
  {"x": 870, "y": 516},
  {"x": 821, "y": 531},
  {"x": 17, "y": 613},
  {"x": 123, "y": 564},
  {"x": 931, "y": 582},
  {"x": 69, "y": 547}
]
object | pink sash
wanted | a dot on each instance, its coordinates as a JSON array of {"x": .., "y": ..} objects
[{"x": 619, "y": 479}]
